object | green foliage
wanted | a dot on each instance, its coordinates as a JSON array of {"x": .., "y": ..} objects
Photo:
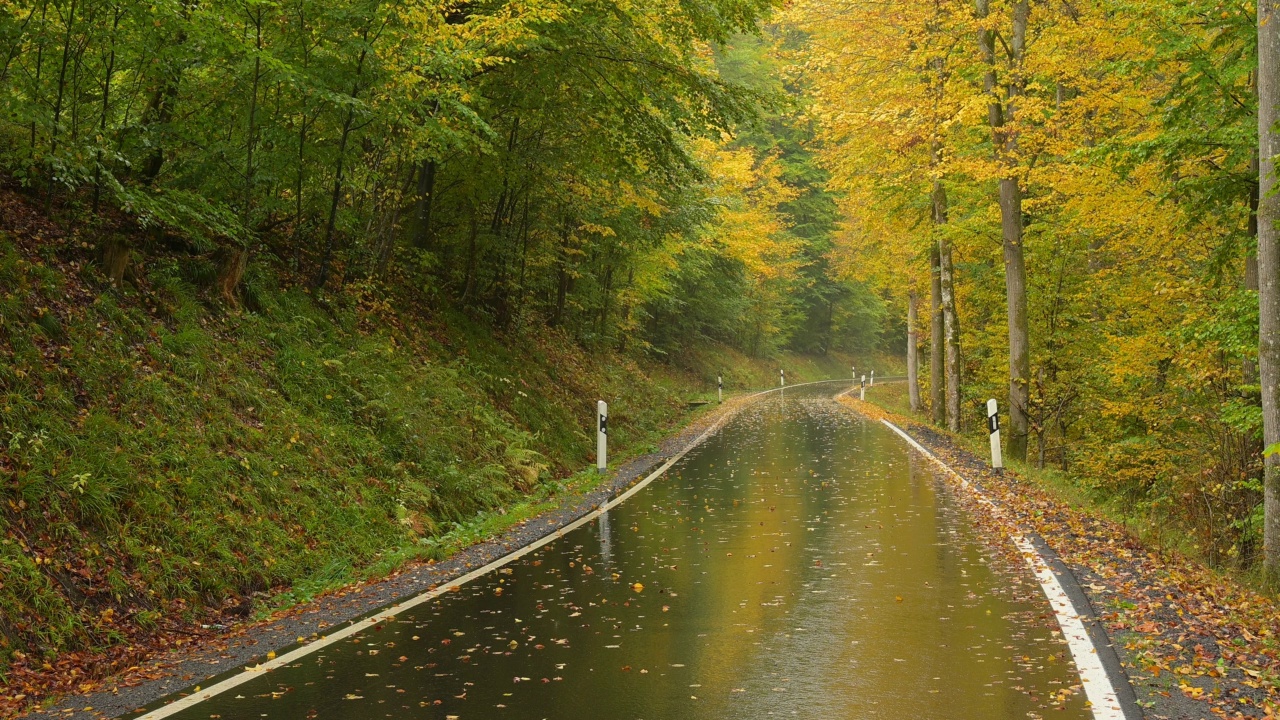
[
  {"x": 185, "y": 456},
  {"x": 1130, "y": 131},
  {"x": 530, "y": 161},
  {"x": 333, "y": 281},
  {"x": 160, "y": 457}
]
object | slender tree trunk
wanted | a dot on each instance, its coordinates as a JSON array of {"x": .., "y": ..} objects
[
  {"x": 469, "y": 284},
  {"x": 524, "y": 250},
  {"x": 157, "y": 116},
  {"x": 56, "y": 125},
  {"x": 951, "y": 334},
  {"x": 1005, "y": 144},
  {"x": 1249, "y": 365},
  {"x": 625, "y": 316},
  {"x": 1016, "y": 294},
  {"x": 426, "y": 198},
  {"x": 607, "y": 295},
  {"x": 335, "y": 196},
  {"x": 946, "y": 323},
  {"x": 237, "y": 260},
  {"x": 913, "y": 353},
  {"x": 106, "y": 108},
  {"x": 161, "y": 107},
  {"x": 77, "y": 71},
  {"x": 251, "y": 136},
  {"x": 1269, "y": 271},
  {"x": 936, "y": 389},
  {"x": 300, "y": 175},
  {"x": 62, "y": 83},
  {"x": 35, "y": 89},
  {"x": 562, "y": 274},
  {"x": 323, "y": 276}
]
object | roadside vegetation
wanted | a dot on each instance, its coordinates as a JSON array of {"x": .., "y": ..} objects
[
  {"x": 291, "y": 294},
  {"x": 1195, "y": 641},
  {"x": 1071, "y": 201},
  {"x": 170, "y": 460}
]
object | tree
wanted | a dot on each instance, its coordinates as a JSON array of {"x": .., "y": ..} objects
[
  {"x": 1002, "y": 118},
  {"x": 913, "y": 353},
  {"x": 1269, "y": 269}
]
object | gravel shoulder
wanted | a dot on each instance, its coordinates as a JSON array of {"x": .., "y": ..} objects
[{"x": 207, "y": 654}]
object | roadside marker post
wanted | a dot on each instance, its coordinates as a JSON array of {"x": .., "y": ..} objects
[
  {"x": 720, "y": 388},
  {"x": 993, "y": 426},
  {"x": 782, "y": 377},
  {"x": 854, "y": 369},
  {"x": 602, "y": 436},
  {"x": 873, "y": 377},
  {"x": 863, "y": 389}
]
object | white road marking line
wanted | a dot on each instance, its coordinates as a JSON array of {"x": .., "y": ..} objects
[
  {"x": 391, "y": 611},
  {"x": 1104, "y": 703}
]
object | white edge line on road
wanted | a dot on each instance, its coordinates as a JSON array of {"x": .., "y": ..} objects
[
  {"x": 249, "y": 673},
  {"x": 1102, "y": 696}
]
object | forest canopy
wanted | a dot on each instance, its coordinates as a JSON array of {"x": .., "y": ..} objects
[
  {"x": 1075, "y": 188},
  {"x": 584, "y": 165},
  {"x": 1064, "y": 204}
]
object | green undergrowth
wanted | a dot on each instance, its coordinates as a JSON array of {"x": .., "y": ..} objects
[{"x": 162, "y": 455}]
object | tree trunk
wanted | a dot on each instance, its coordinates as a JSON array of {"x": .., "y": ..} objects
[
  {"x": 252, "y": 134},
  {"x": 1249, "y": 365},
  {"x": 106, "y": 107},
  {"x": 1005, "y": 145},
  {"x": 44, "y": 13},
  {"x": 1269, "y": 271},
  {"x": 54, "y": 126},
  {"x": 160, "y": 108},
  {"x": 323, "y": 276},
  {"x": 951, "y": 333},
  {"x": 936, "y": 388},
  {"x": 426, "y": 197},
  {"x": 469, "y": 283},
  {"x": 1015, "y": 278},
  {"x": 913, "y": 354},
  {"x": 946, "y": 327}
]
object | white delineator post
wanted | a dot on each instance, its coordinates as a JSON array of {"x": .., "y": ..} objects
[
  {"x": 782, "y": 377},
  {"x": 602, "y": 436},
  {"x": 993, "y": 426},
  {"x": 719, "y": 388},
  {"x": 873, "y": 377},
  {"x": 854, "y": 369},
  {"x": 863, "y": 393}
]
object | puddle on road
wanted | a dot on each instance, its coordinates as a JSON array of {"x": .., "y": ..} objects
[{"x": 799, "y": 564}]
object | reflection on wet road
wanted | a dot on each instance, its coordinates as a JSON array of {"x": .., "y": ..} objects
[{"x": 801, "y": 563}]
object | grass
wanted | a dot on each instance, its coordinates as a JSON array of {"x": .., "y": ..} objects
[{"x": 164, "y": 457}]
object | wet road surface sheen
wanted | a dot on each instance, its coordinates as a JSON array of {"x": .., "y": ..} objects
[{"x": 801, "y": 563}]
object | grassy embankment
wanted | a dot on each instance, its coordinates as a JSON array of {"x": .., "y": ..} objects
[{"x": 163, "y": 458}]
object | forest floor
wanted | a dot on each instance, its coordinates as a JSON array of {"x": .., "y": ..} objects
[{"x": 1195, "y": 645}]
